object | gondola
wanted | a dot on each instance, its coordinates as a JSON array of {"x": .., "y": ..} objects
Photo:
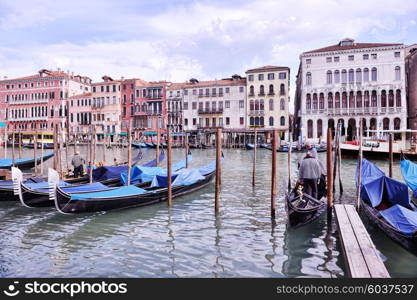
[
  {"x": 385, "y": 202},
  {"x": 303, "y": 208},
  {"x": 409, "y": 172},
  {"x": 37, "y": 194},
  {"x": 130, "y": 196},
  {"x": 23, "y": 163},
  {"x": 139, "y": 145},
  {"x": 249, "y": 146},
  {"x": 45, "y": 146},
  {"x": 264, "y": 146},
  {"x": 151, "y": 145},
  {"x": 204, "y": 146},
  {"x": 6, "y": 188}
]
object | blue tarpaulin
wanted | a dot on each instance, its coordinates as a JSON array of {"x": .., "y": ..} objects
[
  {"x": 182, "y": 177},
  {"x": 403, "y": 219},
  {"x": 207, "y": 169},
  {"x": 43, "y": 186},
  {"x": 409, "y": 172},
  {"x": 92, "y": 187},
  {"x": 8, "y": 162},
  {"x": 123, "y": 191},
  {"x": 107, "y": 172},
  {"x": 376, "y": 187}
]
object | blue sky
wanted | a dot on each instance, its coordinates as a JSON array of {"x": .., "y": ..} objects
[{"x": 177, "y": 40}]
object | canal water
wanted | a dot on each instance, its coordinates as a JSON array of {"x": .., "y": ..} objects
[{"x": 188, "y": 240}]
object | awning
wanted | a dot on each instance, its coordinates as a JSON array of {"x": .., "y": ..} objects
[
  {"x": 123, "y": 133},
  {"x": 150, "y": 133},
  {"x": 2, "y": 124}
]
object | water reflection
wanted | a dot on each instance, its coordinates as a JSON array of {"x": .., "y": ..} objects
[{"x": 189, "y": 240}]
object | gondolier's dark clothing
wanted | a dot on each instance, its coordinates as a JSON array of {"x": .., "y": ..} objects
[
  {"x": 309, "y": 173},
  {"x": 77, "y": 161}
]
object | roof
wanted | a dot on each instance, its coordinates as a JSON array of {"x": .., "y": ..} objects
[
  {"x": 268, "y": 68},
  {"x": 44, "y": 73},
  {"x": 84, "y": 95},
  {"x": 340, "y": 47},
  {"x": 221, "y": 82}
]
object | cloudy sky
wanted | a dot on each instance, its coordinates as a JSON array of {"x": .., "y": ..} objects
[{"x": 178, "y": 39}]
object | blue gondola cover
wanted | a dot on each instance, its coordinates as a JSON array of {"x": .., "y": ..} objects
[
  {"x": 91, "y": 187},
  {"x": 409, "y": 172},
  {"x": 403, "y": 219},
  {"x": 123, "y": 191},
  {"x": 182, "y": 177}
]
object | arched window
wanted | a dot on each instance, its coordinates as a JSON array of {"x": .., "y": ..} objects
[
  {"x": 373, "y": 99},
  {"x": 251, "y": 90},
  {"x": 384, "y": 99},
  {"x": 344, "y": 76},
  {"x": 336, "y": 76},
  {"x": 256, "y": 121},
  {"x": 321, "y": 101},
  {"x": 398, "y": 98},
  {"x": 256, "y": 104},
  {"x": 344, "y": 100},
  {"x": 365, "y": 74},
  {"x": 308, "y": 101},
  {"x": 308, "y": 78},
  {"x": 351, "y": 76},
  {"x": 391, "y": 98},
  {"x": 251, "y": 121},
  {"x": 315, "y": 101},
  {"x": 261, "y": 90},
  {"x": 271, "y": 121},
  {"x": 282, "y": 121},
  {"x": 330, "y": 100},
  {"x": 359, "y": 99},
  {"x": 351, "y": 100},
  {"x": 261, "y": 104},
  {"x": 329, "y": 77},
  {"x": 271, "y": 104},
  {"x": 282, "y": 104},
  {"x": 337, "y": 100},
  {"x": 261, "y": 121},
  {"x": 366, "y": 99},
  {"x": 271, "y": 89},
  {"x": 319, "y": 128},
  {"x": 358, "y": 75},
  {"x": 310, "y": 129},
  {"x": 282, "y": 89},
  {"x": 252, "y": 105},
  {"x": 374, "y": 74},
  {"x": 397, "y": 123},
  {"x": 397, "y": 73},
  {"x": 385, "y": 124}
]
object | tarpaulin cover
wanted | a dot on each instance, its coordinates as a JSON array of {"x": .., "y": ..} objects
[
  {"x": 44, "y": 186},
  {"x": 207, "y": 169},
  {"x": 409, "y": 172},
  {"x": 107, "y": 172},
  {"x": 152, "y": 163},
  {"x": 91, "y": 187},
  {"x": 140, "y": 174},
  {"x": 182, "y": 177},
  {"x": 376, "y": 188},
  {"x": 403, "y": 219},
  {"x": 8, "y": 162},
  {"x": 123, "y": 191}
]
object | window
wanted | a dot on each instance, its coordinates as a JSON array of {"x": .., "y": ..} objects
[
  {"x": 194, "y": 121},
  {"x": 397, "y": 54},
  {"x": 374, "y": 56},
  {"x": 194, "y": 105},
  {"x": 194, "y": 92},
  {"x": 241, "y": 89},
  {"x": 336, "y": 76},
  {"x": 351, "y": 76},
  {"x": 185, "y": 105},
  {"x": 397, "y": 73},
  {"x": 308, "y": 61},
  {"x": 351, "y": 58},
  {"x": 241, "y": 121},
  {"x": 271, "y": 121},
  {"x": 220, "y": 91},
  {"x": 282, "y": 75},
  {"x": 374, "y": 75},
  {"x": 227, "y": 104},
  {"x": 329, "y": 77},
  {"x": 282, "y": 104},
  {"x": 365, "y": 56},
  {"x": 250, "y": 78},
  {"x": 308, "y": 78},
  {"x": 271, "y": 104},
  {"x": 282, "y": 89},
  {"x": 282, "y": 121},
  {"x": 227, "y": 121},
  {"x": 261, "y": 77},
  {"x": 186, "y": 122},
  {"x": 271, "y": 89},
  {"x": 241, "y": 104},
  {"x": 344, "y": 76},
  {"x": 261, "y": 90},
  {"x": 271, "y": 76},
  {"x": 358, "y": 75},
  {"x": 227, "y": 91},
  {"x": 336, "y": 59},
  {"x": 185, "y": 92},
  {"x": 365, "y": 74}
]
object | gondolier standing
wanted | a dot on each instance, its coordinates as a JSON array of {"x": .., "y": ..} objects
[
  {"x": 77, "y": 161},
  {"x": 309, "y": 174}
]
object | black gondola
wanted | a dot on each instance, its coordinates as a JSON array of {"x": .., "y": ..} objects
[
  {"x": 249, "y": 146},
  {"x": 150, "y": 145},
  {"x": 65, "y": 204},
  {"x": 23, "y": 163},
  {"x": 385, "y": 202},
  {"x": 303, "y": 208}
]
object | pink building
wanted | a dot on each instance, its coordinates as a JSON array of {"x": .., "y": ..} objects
[
  {"x": 39, "y": 101},
  {"x": 80, "y": 114}
]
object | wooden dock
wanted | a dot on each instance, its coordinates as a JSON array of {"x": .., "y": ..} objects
[{"x": 361, "y": 256}]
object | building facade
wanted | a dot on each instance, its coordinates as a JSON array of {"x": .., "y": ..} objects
[
  {"x": 80, "y": 114},
  {"x": 211, "y": 104},
  {"x": 349, "y": 82},
  {"x": 411, "y": 76},
  {"x": 175, "y": 99},
  {"x": 38, "y": 102},
  {"x": 268, "y": 97}
]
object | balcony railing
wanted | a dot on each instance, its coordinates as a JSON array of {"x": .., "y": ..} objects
[
  {"x": 210, "y": 111},
  {"x": 261, "y": 94},
  {"x": 355, "y": 111},
  {"x": 31, "y": 101},
  {"x": 256, "y": 125},
  {"x": 208, "y": 126},
  {"x": 20, "y": 119},
  {"x": 251, "y": 94},
  {"x": 271, "y": 94},
  {"x": 257, "y": 112},
  {"x": 154, "y": 112}
]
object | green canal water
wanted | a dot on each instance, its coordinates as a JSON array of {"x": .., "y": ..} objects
[{"x": 188, "y": 240}]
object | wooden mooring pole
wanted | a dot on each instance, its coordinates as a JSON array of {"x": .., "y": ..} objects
[
  {"x": 129, "y": 152},
  {"x": 289, "y": 162},
  {"x": 13, "y": 141},
  {"x": 329, "y": 162},
  {"x": 254, "y": 160},
  {"x": 157, "y": 146},
  {"x": 391, "y": 154},
  {"x": 274, "y": 172},
  {"x": 358, "y": 184},
  {"x": 6, "y": 137},
  {"x": 186, "y": 149},
  {"x": 169, "y": 170},
  {"x": 20, "y": 144},
  {"x": 218, "y": 169},
  {"x": 35, "y": 148},
  {"x": 91, "y": 154},
  {"x": 55, "y": 162},
  {"x": 42, "y": 146}
]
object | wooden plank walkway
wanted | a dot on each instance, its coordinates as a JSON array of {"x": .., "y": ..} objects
[{"x": 361, "y": 256}]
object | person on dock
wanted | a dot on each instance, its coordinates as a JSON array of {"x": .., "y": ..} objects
[
  {"x": 77, "y": 162},
  {"x": 309, "y": 174}
]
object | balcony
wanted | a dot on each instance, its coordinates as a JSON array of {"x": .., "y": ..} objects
[
  {"x": 27, "y": 119},
  {"x": 261, "y": 94},
  {"x": 257, "y": 112},
  {"x": 251, "y": 95},
  {"x": 271, "y": 94},
  {"x": 208, "y": 126},
  {"x": 154, "y": 112},
  {"x": 153, "y": 97},
  {"x": 282, "y": 93},
  {"x": 210, "y": 111},
  {"x": 32, "y": 101},
  {"x": 257, "y": 126}
]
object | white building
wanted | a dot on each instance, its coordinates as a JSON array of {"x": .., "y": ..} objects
[
  {"x": 349, "y": 81},
  {"x": 216, "y": 103}
]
